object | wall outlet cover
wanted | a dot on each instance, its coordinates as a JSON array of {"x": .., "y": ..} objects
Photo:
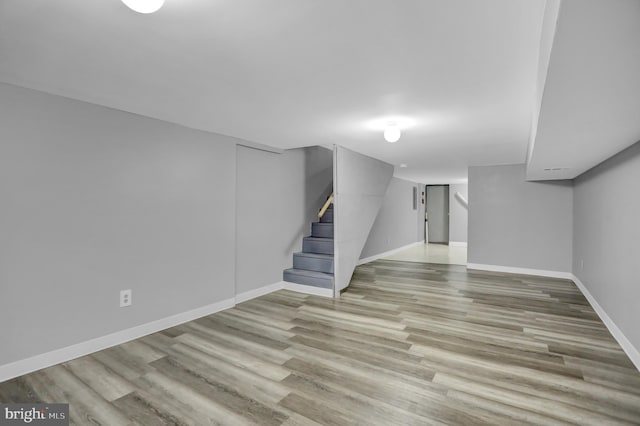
[{"x": 125, "y": 298}]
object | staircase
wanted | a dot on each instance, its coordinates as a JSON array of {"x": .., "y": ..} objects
[{"x": 314, "y": 265}]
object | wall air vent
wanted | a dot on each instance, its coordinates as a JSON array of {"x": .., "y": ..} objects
[{"x": 555, "y": 169}]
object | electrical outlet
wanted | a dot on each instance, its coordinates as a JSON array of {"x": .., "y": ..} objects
[{"x": 125, "y": 298}]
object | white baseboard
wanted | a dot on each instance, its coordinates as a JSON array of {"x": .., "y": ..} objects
[
  {"x": 252, "y": 294},
  {"x": 631, "y": 351},
  {"x": 19, "y": 368},
  {"x": 308, "y": 289},
  {"x": 37, "y": 362},
  {"x": 28, "y": 365},
  {"x": 387, "y": 253},
  {"x": 523, "y": 271},
  {"x": 457, "y": 243}
]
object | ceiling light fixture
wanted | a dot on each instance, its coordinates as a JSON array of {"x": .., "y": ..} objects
[
  {"x": 144, "y": 6},
  {"x": 403, "y": 166},
  {"x": 392, "y": 133}
]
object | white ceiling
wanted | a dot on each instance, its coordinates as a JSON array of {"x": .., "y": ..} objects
[
  {"x": 291, "y": 73},
  {"x": 472, "y": 82},
  {"x": 591, "y": 103}
]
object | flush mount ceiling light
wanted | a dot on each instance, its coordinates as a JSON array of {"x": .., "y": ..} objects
[
  {"x": 392, "y": 133},
  {"x": 144, "y": 6}
]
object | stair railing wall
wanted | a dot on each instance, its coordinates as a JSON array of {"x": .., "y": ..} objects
[{"x": 360, "y": 184}]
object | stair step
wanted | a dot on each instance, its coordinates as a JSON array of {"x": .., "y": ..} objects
[
  {"x": 317, "y": 245},
  {"x": 312, "y": 278},
  {"x": 313, "y": 262},
  {"x": 327, "y": 217},
  {"x": 322, "y": 230}
]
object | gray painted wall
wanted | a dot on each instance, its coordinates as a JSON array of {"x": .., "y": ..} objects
[
  {"x": 360, "y": 184},
  {"x": 606, "y": 236},
  {"x": 278, "y": 197},
  {"x": 96, "y": 200},
  {"x": 397, "y": 223},
  {"x": 517, "y": 223},
  {"x": 458, "y": 213},
  {"x": 438, "y": 211}
]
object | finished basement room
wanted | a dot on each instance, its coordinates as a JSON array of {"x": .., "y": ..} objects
[{"x": 305, "y": 212}]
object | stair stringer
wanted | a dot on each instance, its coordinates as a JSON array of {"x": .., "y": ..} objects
[{"x": 360, "y": 185}]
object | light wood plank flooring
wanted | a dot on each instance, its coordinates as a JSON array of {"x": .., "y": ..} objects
[
  {"x": 432, "y": 253},
  {"x": 408, "y": 344}
]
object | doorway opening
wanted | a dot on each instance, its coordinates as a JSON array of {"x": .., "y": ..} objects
[{"x": 439, "y": 247}]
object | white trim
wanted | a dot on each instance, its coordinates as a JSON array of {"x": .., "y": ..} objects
[
  {"x": 308, "y": 289},
  {"x": 631, "y": 351},
  {"x": 252, "y": 294},
  {"x": 57, "y": 356},
  {"x": 523, "y": 271},
  {"x": 28, "y": 365},
  {"x": 387, "y": 253},
  {"x": 457, "y": 243}
]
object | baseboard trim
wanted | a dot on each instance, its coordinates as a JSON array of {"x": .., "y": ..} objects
[
  {"x": 284, "y": 285},
  {"x": 308, "y": 289},
  {"x": 387, "y": 253},
  {"x": 37, "y": 362},
  {"x": 252, "y": 294},
  {"x": 47, "y": 359},
  {"x": 19, "y": 368},
  {"x": 523, "y": 271},
  {"x": 457, "y": 243},
  {"x": 631, "y": 351}
]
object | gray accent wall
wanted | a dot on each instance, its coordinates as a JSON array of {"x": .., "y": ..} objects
[
  {"x": 278, "y": 196},
  {"x": 517, "y": 223},
  {"x": 458, "y": 213},
  {"x": 95, "y": 200},
  {"x": 397, "y": 223},
  {"x": 606, "y": 238},
  {"x": 360, "y": 184}
]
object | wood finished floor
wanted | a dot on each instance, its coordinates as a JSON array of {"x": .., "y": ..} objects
[{"x": 408, "y": 344}]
